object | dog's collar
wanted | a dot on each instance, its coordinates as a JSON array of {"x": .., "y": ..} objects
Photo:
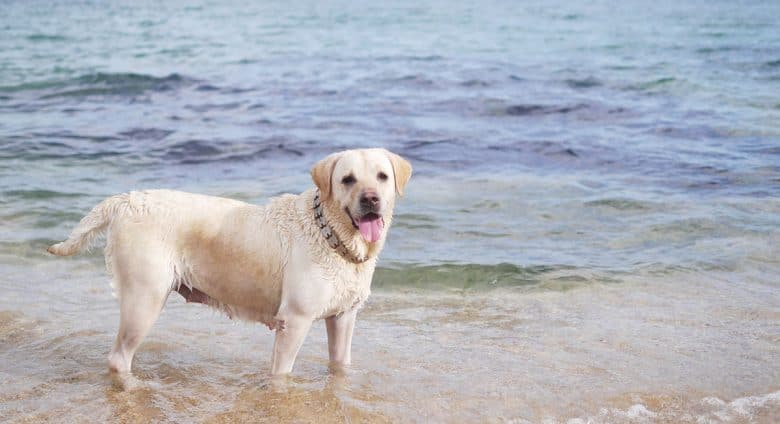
[{"x": 330, "y": 235}]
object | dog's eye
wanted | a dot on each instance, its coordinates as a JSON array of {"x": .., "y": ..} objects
[
  {"x": 382, "y": 176},
  {"x": 348, "y": 180}
]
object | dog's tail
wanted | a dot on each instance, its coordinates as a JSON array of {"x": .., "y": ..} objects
[{"x": 91, "y": 226}]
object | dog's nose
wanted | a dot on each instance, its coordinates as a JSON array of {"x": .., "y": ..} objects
[{"x": 369, "y": 199}]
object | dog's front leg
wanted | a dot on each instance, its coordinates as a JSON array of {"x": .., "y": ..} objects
[
  {"x": 289, "y": 338},
  {"x": 340, "y": 329}
]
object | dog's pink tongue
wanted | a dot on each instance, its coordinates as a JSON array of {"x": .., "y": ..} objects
[{"x": 371, "y": 228}]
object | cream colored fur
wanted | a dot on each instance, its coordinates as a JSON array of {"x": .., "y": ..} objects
[{"x": 259, "y": 263}]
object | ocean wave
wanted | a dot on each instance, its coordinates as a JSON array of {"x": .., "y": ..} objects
[
  {"x": 45, "y": 37},
  {"x": 101, "y": 84},
  {"x": 418, "y": 80},
  {"x": 154, "y": 134},
  {"x": 666, "y": 408},
  {"x": 193, "y": 152},
  {"x": 588, "y": 111},
  {"x": 621, "y": 204},
  {"x": 589, "y": 82},
  {"x": 479, "y": 277},
  {"x": 475, "y": 83},
  {"x": 536, "y": 109},
  {"x": 408, "y": 58},
  {"x": 39, "y": 194},
  {"x": 675, "y": 85}
]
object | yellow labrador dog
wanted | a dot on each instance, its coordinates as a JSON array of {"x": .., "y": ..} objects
[{"x": 295, "y": 260}]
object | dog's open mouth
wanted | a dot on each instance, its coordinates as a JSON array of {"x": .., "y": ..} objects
[{"x": 370, "y": 226}]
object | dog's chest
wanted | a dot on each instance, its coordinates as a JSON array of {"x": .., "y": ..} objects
[{"x": 348, "y": 291}]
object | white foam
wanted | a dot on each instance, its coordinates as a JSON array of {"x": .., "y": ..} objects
[
  {"x": 710, "y": 410},
  {"x": 741, "y": 408},
  {"x": 636, "y": 413}
]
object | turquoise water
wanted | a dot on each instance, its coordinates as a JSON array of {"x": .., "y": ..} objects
[{"x": 578, "y": 167}]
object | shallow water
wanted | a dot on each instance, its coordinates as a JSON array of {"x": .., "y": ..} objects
[{"x": 591, "y": 233}]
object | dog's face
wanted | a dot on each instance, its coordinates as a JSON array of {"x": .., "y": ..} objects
[{"x": 362, "y": 184}]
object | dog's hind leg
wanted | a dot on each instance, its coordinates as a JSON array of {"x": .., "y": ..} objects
[{"x": 143, "y": 285}]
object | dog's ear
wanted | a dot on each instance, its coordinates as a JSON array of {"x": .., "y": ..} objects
[
  {"x": 402, "y": 170},
  {"x": 322, "y": 173}
]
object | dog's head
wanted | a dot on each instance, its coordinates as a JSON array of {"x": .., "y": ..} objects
[{"x": 362, "y": 185}]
